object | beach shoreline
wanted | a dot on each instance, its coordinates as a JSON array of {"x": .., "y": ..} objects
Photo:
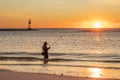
[{"x": 10, "y": 75}]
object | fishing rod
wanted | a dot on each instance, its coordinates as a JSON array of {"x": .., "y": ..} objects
[
  {"x": 56, "y": 40},
  {"x": 60, "y": 38}
]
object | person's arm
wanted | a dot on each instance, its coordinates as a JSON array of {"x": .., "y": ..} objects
[{"x": 48, "y": 48}]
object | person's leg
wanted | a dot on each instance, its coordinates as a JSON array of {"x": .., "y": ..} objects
[{"x": 46, "y": 56}]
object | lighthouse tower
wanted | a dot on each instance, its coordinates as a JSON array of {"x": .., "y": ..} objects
[{"x": 29, "y": 24}]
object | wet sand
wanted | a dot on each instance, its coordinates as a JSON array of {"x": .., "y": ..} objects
[{"x": 9, "y": 75}]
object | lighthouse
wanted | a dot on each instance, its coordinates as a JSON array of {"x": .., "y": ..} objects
[{"x": 29, "y": 24}]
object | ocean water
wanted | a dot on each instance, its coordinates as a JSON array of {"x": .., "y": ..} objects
[{"x": 74, "y": 52}]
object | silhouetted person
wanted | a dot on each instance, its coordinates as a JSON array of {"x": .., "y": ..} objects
[
  {"x": 45, "y": 61},
  {"x": 45, "y": 50}
]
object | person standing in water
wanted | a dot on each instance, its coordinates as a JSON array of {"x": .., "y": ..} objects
[{"x": 45, "y": 50}]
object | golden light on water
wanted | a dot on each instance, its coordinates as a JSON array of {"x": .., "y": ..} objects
[{"x": 95, "y": 72}]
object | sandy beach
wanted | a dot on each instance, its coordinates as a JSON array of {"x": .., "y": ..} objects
[{"x": 9, "y": 75}]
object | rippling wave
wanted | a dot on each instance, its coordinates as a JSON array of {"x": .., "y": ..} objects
[{"x": 61, "y": 57}]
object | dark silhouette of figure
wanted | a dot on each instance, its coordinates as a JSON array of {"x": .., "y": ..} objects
[
  {"x": 45, "y": 50},
  {"x": 45, "y": 61}
]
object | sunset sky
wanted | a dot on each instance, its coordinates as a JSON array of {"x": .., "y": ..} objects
[{"x": 59, "y": 13}]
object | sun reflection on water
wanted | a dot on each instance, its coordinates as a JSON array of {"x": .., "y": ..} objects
[
  {"x": 95, "y": 72},
  {"x": 97, "y": 37}
]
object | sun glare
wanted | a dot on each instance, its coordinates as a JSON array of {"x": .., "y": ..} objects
[
  {"x": 95, "y": 72},
  {"x": 97, "y": 25}
]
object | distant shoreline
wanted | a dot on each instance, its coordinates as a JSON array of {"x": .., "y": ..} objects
[
  {"x": 78, "y": 29},
  {"x": 16, "y": 29}
]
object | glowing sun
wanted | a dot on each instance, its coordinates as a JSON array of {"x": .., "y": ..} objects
[{"x": 97, "y": 25}]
